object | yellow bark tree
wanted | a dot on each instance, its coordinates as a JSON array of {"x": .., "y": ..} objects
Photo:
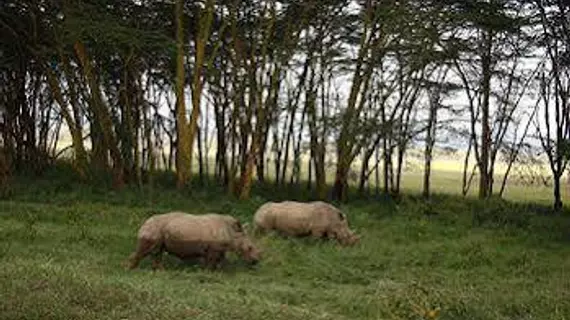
[
  {"x": 256, "y": 100},
  {"x": 206, "y": 17},
  {"x": 183, "y": 143},
  {"x": 187, "y": 131}
]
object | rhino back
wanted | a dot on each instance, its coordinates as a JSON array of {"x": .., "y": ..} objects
[
  {"x": 294, "y": 217},
  {"x": 153, "y": 226},
  {"x": 191, "y": 235},
  {"x": 199, "y": 228}
]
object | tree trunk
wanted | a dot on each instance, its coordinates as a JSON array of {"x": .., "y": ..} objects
[
  {"x": 102, "y": 115},
  {"x": 484, "y": 178},
  {"x": 200, "y": 156},
  {"x": 293, "y": 105},
  {"x": 466, "y": 183},
  {"x": 287, "y": 146},
  {"x": 377, "y": 171},
  {"x": 340, "y": 188},
  {"x": 310, "y": 171},
  {"x": 428, "y": 152},
  {"x": 260, "y": 163},
  {"x": 516, "y": 150},
  {"x": 222, "y": 171},
  {"x": 320, "y": 173},
  {"x": 296, "y": 172},
  {"x": 557, "y": 195},
  {"x": 127, "y": 132},
  {"x": 206, "y": 154},
  {"x": 387, "y": 155},
  {"x": 278, "y": 153},
  {"x": 364, "y": 170},
  {"x": 75, "y": 130},
  {"x": 401, "y": 152},
  {"x": 247, "y": 175},
  {"x": 204, "y": 25},
  {"x": 183, "y": 143}
]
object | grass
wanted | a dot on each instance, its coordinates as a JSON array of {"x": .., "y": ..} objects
[
  {"x": 62, "y": 246},
  {"x": 446, "y": 178}
]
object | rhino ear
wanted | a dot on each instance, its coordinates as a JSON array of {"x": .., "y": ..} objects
[{"x": 246, "y": 227}]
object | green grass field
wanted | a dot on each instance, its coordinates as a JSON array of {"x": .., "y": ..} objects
[{"x": 62, "y": 246}]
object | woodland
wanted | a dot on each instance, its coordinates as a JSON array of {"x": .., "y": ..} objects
[{"x": 241, "y": 92}]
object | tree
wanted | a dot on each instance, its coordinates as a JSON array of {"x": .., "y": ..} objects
[
  {"x": 496, "y": 35},
  {"x": 183, "y": 142},
  {"x": 554, "y": 134}
]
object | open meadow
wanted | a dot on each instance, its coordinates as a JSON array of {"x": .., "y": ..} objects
[
  {"x": 412, "y": 114},
  {"x": 63, "y": 245}
]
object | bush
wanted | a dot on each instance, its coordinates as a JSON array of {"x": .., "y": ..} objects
[{"x": 499, "y": 213}]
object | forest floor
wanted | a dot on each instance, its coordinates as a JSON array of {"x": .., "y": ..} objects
[{"x": 62, "y": 246}]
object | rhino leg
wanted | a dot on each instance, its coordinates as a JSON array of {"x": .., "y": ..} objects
[
  {"x": 157, "y": 258},
  {"x": 144, "y": 247},
  {"x": 318, "y": 233},
  {"x": 213, "y": 259}
]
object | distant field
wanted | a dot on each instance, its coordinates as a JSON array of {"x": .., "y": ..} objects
[
  {"x": 62, "y": 247},
  {"x": 446, "y": 177}
]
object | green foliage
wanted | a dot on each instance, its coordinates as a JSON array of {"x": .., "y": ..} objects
[
  {"x": 496, "y": 212},
  {"x": 62, "y": 250},
  {"x": 564, "y": 148}
]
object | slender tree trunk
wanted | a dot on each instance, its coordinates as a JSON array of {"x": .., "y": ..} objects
[
  {"x": 377, "y": 171},
  {"x": 75, "y": 131},
  {"x": 246, "y": 177},
  {"x": 183, "y": 143},
  {"x": 296, "y": 172},
  {"x": 430, "y": 141},
  {"x": 387, "y": 155},
  {"x": 271, "y": 108},
  {"x": 206, "y": 155},
  {"x": 340, "y": 187},
  {"x": 310, "y": 171},
  {"x": 401, "y": 152},
  {"x": 204, "y": 25},
  {"x": 557, "y": 196},
  {"x": 484, "y": 178},
  {"x": 233, "y": 145},
  {"x": 293, "y": 107},
  {"x": 150, "y": 144},
  {"x": 200, "y": 156},
  {"x": 364, "y": 170},
  {"x": 127, "y": 132},
  {"x": 261, "y": 165},
  {"x": 221, "y": 150},
  {"x": 516, "y": 150},
  {"x": 278, "y": 153},
  {"x": 320, "y": 173},
  {"x": 287, "y": 146},
  {"x": 466, "y": 182},
  {"x": 102, "y": 115},
  {"x": 427, "y": 173}
]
